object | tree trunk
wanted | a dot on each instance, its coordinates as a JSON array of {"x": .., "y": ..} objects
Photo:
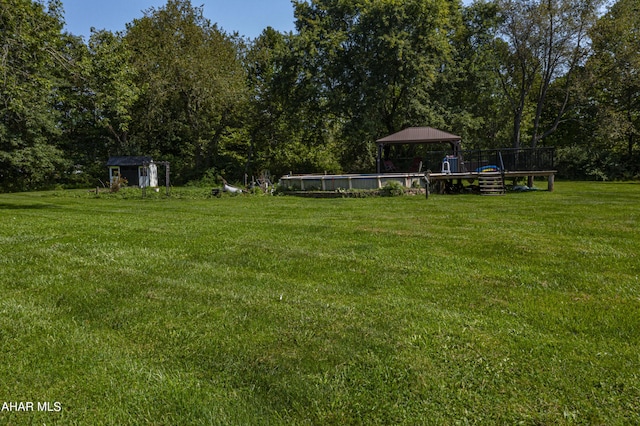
[{"x": 517, "y": 124}]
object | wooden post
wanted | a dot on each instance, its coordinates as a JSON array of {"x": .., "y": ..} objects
[
  {"x": 550, "y": 182},
  {"x": 166, "y": 167},
  {"x": 426, "y": 183}
]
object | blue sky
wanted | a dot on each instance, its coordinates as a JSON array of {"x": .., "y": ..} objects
[{"x": 247, "y": 17}]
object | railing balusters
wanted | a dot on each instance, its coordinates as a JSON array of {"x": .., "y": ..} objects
[{"x": 522, "y": 159}]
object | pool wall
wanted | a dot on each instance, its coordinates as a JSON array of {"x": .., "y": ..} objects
[{"x": 350, "y": 181}]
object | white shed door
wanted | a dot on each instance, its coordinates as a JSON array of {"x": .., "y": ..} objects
[{"x": 143, "y": 176}]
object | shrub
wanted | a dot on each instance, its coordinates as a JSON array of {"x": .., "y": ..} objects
[
  {"x": 117, "y": 184},
  {"x": 392, "y": 189},
  {"x": 211, "y": 177},
  {"x": 579, "y": 162}
]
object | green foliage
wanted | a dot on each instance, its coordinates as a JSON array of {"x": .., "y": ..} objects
[
  {"x": 615, "y": 64},
  {"x": 539, "y": 42},
  {"x": 30, "y": 59},
  {"x": 574, "y": 162},
  {"x": 372, "y": 64},
  {"x": 111, "y": 79},
  {"x": 290, "y": 126},
  {"x": 392, "y": 189},
  {"x": 176, "y": 87},
  {"x": 192, "y": 83},
  {"x": 117, "y": 183},
  {"x": 209, "y": 178},
  {"x": 578, "y": 162},
  {"x": 471, "y": 87}
]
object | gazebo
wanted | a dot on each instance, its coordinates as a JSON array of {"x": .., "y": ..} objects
[{"x": 417, "y": 135}]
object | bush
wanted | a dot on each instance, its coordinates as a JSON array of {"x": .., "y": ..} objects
[
  {"x": 579, "y": 162},
  {"x": 117, "y": 184},
  {"x": 392, "y": 189},
  {"x": 209, "y": 178}
]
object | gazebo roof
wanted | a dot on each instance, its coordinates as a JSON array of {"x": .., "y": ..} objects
[{"x": 419, "y": 135}]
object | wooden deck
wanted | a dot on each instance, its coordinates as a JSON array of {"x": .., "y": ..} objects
[{"x": 472, "y": 176}]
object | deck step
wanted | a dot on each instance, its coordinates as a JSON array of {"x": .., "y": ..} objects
[{"x": 491, "y": 184}]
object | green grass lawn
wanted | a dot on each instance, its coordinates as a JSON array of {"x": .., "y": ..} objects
[{"x": 280, "y": 310}]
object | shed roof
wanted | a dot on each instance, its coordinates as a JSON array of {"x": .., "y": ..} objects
[
  {"x": 129, "y": 160},
  {"x": 419, "y": 135}
]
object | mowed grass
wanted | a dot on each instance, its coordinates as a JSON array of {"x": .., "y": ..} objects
[{"x": 279, "y": 310}]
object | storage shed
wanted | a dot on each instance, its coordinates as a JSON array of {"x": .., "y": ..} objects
[{"x": 137, "y": 170}]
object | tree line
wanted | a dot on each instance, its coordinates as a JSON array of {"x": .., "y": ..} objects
[{"x": 499, "y": 73}]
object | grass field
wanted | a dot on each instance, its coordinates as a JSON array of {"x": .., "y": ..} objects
[{"x": 521, "y": 309}]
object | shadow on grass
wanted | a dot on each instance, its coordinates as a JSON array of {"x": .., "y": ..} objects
[{"x": 5, "y": 206}]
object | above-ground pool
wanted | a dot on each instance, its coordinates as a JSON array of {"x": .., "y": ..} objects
[{"x": 350, "y": 181}]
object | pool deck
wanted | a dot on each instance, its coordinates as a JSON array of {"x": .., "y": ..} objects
[{"x": 549, "y": 174}]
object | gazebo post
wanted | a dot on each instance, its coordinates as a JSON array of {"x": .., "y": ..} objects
[{"x": 379, "y": 159}]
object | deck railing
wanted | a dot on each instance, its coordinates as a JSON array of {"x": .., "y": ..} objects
[{"x": 504, "y": 159}]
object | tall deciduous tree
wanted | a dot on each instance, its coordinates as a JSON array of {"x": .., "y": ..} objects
[
  {"x": 468, "y": 95},
  {"x": 30, "y": 61},
  {"x": 111, "y": 82},
  {"x": 540, "y": 41},
  {"x": 97, "y": 100},
  {"x": 287, "y": 122},
  {"x": 191, "y": 80},
  {"x": 616, "y": 67},
  {"x": 374, "y": 63}
]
